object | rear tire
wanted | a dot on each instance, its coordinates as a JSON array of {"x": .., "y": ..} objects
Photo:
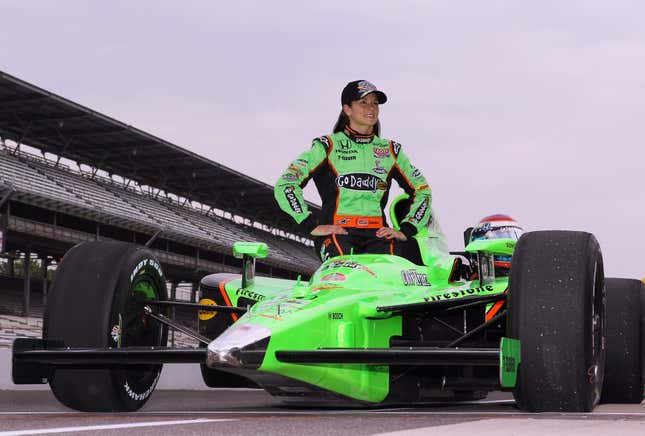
[
  {"x": 643, "y": 332},
  {"x": 624, "y": 370},
  {"x": 96, "y": 301},
  {"x": 556, "y": 310}
]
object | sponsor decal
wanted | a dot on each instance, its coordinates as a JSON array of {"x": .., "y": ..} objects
[
  {"x": 423, "y": 187},
  {"x": 295, "y": 169},
  {"x": 143, "y": 264},
  {"x": 344, "y": 145},
  {"x": 116, "y": 334},
  {"x": 205, "y": 315},
  {"x": 480, "y": 231},
  {"x": 347, "y": 157},
  {"x": 281, "y": 306},
  {"x": 348, "y": 264},
  {"x": 508, "y": 363},
  {"x": 360, "y": 182},
  {"x": 421, "y": 211},
  {"x": 460, "y": 293},
  {"x": 324, "y": 140},
  {"x": 143, "y": 395},
  {"x": 292, "y": 199},
  {"x": 378, "y": 169},
  {"x": 324, "y": 287},
  {"x": 345, "y": 148},
  {"x": 412, "y": 277},
  {"x": 294, "y": 172},
  {"x": 365, "y": 87},
  {"x": 381, "y": 153},
  {"x": 241, "y": 292},
  {"x": 362, "y": 139},
  {"x": 301, "y": 162},
  {"x": 355, "y": 221},
  {"x": 273, "y": 317},
  {"x": 346, "y": 151},
  {"x": 415, "y": 171},
  {"x": 334, "y": 277},
  {"x": 396, "y": 147},
  {"x": 335, "y": 316}
]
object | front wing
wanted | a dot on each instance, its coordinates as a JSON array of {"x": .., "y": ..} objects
[{"x": 34, "y": 361}]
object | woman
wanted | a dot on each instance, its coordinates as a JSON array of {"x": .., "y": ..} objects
[{"x": 353, "y": 169}]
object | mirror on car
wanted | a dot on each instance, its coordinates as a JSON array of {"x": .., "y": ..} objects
[{"x": 467, "y": 234}]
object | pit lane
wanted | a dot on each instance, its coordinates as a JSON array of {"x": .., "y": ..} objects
[{"x": 251, "y": 411}]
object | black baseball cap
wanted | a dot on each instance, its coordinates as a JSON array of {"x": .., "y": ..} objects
[{"x": 358, "y": 89}]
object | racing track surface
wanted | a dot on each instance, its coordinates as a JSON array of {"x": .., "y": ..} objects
[{"x": 234, "y": 411}]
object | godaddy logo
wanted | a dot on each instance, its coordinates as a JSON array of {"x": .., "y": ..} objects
[{"x": 360, "y": 182}]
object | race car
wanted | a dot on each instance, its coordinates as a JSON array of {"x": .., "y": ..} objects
[{"x": 364, "y": 330}]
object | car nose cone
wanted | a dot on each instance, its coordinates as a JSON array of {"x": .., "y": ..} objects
[{"x": 225, "y": 349}]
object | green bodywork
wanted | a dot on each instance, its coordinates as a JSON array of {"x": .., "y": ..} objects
[
  {"x": 252, "y": 249},
  {"x": 492, "y": 246},
  {"x": 509, "y": 361},
  {"x": 337, "y": 308}
]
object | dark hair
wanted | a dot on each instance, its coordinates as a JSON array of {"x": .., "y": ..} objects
[{"x": 343, "y": 120}]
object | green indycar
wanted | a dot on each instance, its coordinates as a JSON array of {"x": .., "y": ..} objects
[{"x": 365, "y": 329}]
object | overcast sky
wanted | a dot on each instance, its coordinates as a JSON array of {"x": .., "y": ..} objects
[{"x": 531, "y": 108}]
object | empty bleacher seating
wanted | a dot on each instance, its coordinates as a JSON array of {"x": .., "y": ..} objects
[{"x": 40, "y": 181}]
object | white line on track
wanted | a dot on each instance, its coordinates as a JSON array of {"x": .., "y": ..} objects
[
  {"x": 108, "y": 427},
  {"x": 240, "y": 413}
]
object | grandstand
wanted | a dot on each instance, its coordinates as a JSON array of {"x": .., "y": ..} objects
[{"x": 69, "y": 174}]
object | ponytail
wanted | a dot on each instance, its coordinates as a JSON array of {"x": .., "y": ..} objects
[{"x": 342, "y": 121}]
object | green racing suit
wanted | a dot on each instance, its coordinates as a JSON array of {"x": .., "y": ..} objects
[{"x": 353, "y": 174}]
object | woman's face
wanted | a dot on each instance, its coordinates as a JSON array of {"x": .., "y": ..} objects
[{"x": 363, "y": 113}]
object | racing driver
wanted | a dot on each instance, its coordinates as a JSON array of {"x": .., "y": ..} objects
[{"x": 353, "y": 169}]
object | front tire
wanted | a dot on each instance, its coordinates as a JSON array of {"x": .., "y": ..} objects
[
  {"x": 96, "y": 300},
  {"x": 556, "y": 310}
]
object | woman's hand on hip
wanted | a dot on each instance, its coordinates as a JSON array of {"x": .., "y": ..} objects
[
  {"x": 328, "y": 229},
  {"x": 390, "y": 233}
]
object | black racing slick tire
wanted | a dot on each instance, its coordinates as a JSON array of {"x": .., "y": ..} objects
[
  {"x": 643, "y": 331},
  {"x": 96, "y": 301},
  {"x": 557, "y": 311},
  {"x": 624, "y": 368}
]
